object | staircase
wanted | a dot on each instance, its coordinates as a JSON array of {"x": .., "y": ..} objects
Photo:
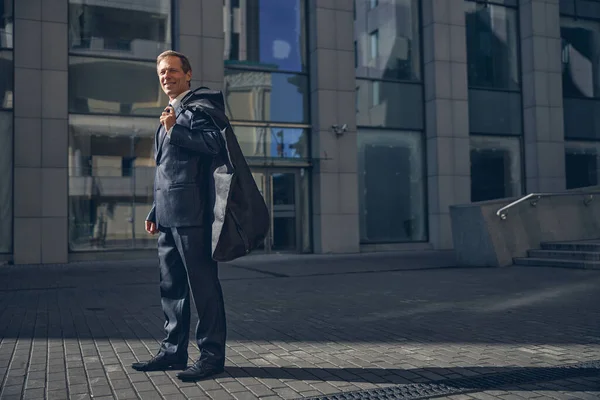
[{"x": 584, "y": 254}]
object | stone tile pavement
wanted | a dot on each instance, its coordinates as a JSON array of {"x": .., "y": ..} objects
[{"x": 302, "y": 326}]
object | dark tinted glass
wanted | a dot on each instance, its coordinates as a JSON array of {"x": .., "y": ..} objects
[
  {"x": 110, "y": 86},
  {"x": 6, "y": 183},
  {"x": 389, "y": 104},
  {"x": 6, "y": 24},
  {"x": 492, "y": 49},
  {"x": 580, "y": 57},
  {"x": 138, "y": 29},
  {"x": 495, "y": 112},
  {"x": 266, "y": 34},
  {"x": 495, "y": 168},
  {"x": 6, "y": 79},
  {"x": 391, "y": 186},
  {"x": 387, "y": 39}
]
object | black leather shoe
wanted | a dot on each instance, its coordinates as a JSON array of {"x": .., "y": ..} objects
[
  {"x": 201, "y": 369},
  {"x": 160, "y": 363}
]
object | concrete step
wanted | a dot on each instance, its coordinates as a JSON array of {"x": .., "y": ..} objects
[
  {"x": 565, "y": 254},
  {"x": 572, "y": 246},
  {"x": 557, "y": 262}
]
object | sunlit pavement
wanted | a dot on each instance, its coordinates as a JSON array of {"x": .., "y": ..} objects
[{"x": 309, "y": 326}]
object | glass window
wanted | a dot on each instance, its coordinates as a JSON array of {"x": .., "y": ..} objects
[
  {"x": 492, "y": 49},
  {"x": 138, "y": 29},
  {"x": 266, "y": 96},
  {"x": 388, "y": 43},
  {"x": 580, "y": 57},
  {"x": 267, "y": 34},
  {"x": 272, "y": 142},
  {"x": 495, "y": 167},
  {"x": 389, "y": 104},
  {"x": 111, "y": 176},
  {"x": 374, "y": 45},
  {"x": 373, "y": 3},
  {"x": 6, "y": 79},
  {"x": 582, "y": 161},
  {"x": 391, "y": 186},
  {"x": 109, "y": 86},
  {"x": 495, "y": 112},
  {"x": 6, "y": 24},
  {"x": 6, "y": 183}
]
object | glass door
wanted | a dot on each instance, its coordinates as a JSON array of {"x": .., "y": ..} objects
[{"x": 280, "y": 189}]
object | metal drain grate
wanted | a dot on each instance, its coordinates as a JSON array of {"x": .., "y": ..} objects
[{"x": 520, "y": 376}]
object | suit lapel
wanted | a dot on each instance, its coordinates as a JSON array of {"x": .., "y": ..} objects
[{"x": 161, "y": 135}]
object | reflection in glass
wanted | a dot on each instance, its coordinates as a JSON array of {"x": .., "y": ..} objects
[
  {"x": 495, "y": 167},
  {"x": 582, "y": 161},
  {"x": 272, "y": 142},
  {"x": 108, "y": 86},
  {"x": 6, "y": 24},
  {"x": 492, "y": 50},
  {"x": 580, "y": 57},
  {"x": 6, "y": 182},
  {"x": 389, "y": 104},
  {"x": 391, "y": 186},
  {"x": 111, "y": 176},
  {"x": 139, "y": 29},
  {"x": 265, "y": 96},
  {"x": 6, "y": 79},
  {"x": 388, "y": 44},
  {"x": 266, "y": 34}
]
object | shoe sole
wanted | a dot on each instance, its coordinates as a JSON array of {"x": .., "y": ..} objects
[
  {"x": 196, "y": 379},
  {"x": 167, "y": 368}
]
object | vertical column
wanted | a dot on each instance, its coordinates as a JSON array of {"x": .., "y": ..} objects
[
  {"x": 447, "y": 114},
  {"x": 41, "y": 132},
  {"x": 201, "y": 40},
  {"x": 332, "y": 77},
  {"x": 542, "y": 96}
]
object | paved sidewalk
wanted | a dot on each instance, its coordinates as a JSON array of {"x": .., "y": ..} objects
[{"x": 310, "y": 326}]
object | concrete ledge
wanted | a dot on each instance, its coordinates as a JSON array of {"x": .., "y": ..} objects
[{"x": 481, "y": 238}]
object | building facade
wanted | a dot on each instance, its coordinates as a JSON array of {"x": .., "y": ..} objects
[{"x": 362, "y": 120}]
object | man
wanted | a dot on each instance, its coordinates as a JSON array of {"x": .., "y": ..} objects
[{"x": 190, "y": 151}]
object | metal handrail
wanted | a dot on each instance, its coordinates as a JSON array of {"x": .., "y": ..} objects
[{"x": 502, "y": 211}]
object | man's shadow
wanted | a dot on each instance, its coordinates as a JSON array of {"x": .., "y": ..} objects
[{"x": 452, "y": 380}]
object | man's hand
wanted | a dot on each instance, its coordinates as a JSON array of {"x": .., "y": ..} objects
[
  {"x": 167, "y": 118},
  {"x": 151, "y": 227}
]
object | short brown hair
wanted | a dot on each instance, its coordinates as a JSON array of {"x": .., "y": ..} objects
[{"x": 185, "y": 63}]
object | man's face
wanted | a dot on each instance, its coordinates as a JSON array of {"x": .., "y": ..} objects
[{"x": 172, "y": 78}]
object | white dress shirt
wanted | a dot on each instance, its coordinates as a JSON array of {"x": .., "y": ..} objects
[{"x": 176, "y": 103}]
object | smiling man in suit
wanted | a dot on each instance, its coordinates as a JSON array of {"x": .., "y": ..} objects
[{"x": 188, "y": 148}]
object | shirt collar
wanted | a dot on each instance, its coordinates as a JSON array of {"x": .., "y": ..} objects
[{"x": 176, "y": 102}]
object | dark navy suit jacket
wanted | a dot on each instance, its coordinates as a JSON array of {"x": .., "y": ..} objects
[{"x": 183, "y": 168}]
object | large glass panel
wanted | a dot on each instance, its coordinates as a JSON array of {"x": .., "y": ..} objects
[
  {"x": 111, "y": 175},
  {"x": 582, "y": 118},
  {"x": 267, "y": 34},
  {"x": 272, "y": 142},
  {"x": 495, "y": 112},
  {"x": 580, "y": 8},
  {"x": 266, "y": 96},
  {"x": 6, "y": 182},
  {"x": 6, "y": 24},
  {"x": 389, "y": 104},
  {"x": 137, "y": 29},
  {"x": 580, "y": 57},
  {"x": 111, "y": 86},
  {"x": 582, "y": 161},
  {"x": 492, "y": 49},
  {"x": 495, "y": 167},
  {"x": 284, "y": 211},
  {"x": 6, "y": 79},
  {"x": 387, "y": 39},
  {"x": 391, "y": 186}
]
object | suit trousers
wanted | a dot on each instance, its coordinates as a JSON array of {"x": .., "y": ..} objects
[{"x": 186, "y": 266}]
